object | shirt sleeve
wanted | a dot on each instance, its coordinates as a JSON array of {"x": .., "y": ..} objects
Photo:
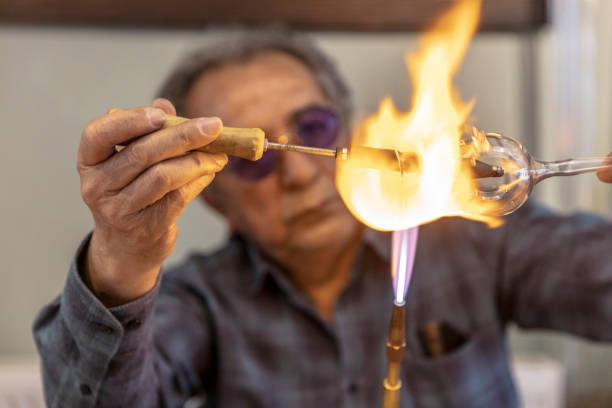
[
  {"x": 556, "y": 272},
  {"x": 126, "y": 356}
]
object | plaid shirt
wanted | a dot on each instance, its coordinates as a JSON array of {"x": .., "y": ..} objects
[{"x": 231, "y": 327}]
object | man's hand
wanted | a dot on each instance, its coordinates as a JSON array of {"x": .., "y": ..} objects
[
  {"x": 137, "y": 194},
  {"x": 605, "y": 175}
]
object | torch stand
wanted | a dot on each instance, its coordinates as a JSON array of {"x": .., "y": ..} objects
[{"x": 396, "y": 346}]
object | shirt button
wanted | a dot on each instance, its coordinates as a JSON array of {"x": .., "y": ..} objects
[
  {"x": 133, "y": 324},
  {"x": 104, "y": 328},
  {"x": 85, "y": 390}
]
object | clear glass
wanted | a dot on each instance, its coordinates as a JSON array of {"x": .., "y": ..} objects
[{"x": 522, "y": 172}]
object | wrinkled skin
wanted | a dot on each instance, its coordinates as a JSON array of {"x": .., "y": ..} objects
[{"x": 136, "y": 195}]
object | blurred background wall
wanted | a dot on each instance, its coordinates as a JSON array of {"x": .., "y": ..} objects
[{"x": 54, "y": 80}]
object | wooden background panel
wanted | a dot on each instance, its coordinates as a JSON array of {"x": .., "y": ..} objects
[{"x": 351, "y": 15}]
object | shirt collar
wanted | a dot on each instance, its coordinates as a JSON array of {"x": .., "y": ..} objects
[{"x": 262, "y": 266}]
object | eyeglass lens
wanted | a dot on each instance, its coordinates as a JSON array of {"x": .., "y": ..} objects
[{"x": 316, "y": 126}]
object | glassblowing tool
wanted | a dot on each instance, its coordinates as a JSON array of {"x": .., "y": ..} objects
[
  {"x": 251, "y": 143},
  {"x": 396, "y": 347},
  {"x": 402, "y": 260},
  {"x": 523, "y": 172}
]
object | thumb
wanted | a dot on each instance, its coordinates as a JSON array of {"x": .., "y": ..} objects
[{"x": 165, "y": 105}]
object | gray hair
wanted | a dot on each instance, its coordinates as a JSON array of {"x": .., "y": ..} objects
[{"x": 244, "y": 45}]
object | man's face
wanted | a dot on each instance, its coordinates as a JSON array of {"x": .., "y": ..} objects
[{"x": 296, "y": 207}]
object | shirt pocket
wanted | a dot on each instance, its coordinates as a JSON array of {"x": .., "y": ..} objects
[{"x": 477, "y": 374}]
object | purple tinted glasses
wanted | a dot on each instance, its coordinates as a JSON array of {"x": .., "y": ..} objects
[{"x": 316, "y": 126}]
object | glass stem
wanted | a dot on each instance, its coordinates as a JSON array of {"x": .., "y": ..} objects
[{"x": 541, "y": 170}]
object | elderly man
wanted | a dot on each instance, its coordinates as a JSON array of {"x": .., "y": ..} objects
[{"x": 293, "y": 311}]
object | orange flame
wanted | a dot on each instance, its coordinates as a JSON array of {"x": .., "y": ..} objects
[{"x": 443, "y": 185}]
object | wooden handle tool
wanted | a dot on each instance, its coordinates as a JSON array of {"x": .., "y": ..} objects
[
  {"x": 251, "y": 143},
  {"x": 247, "y": 143}
]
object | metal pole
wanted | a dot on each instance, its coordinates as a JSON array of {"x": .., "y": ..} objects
[{"x": 396, "y": 347}]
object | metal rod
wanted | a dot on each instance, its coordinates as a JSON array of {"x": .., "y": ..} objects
[
  {"x": 302, "y": 149},
  {"x": 396, "y": 347},
  {"x": 375, "y": 158},
  {"x": 392, "y": 387}
]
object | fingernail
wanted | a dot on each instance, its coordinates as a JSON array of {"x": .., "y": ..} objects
[
  {"x": 156, "y": 116},
  {"x": 210, "y": 126}
]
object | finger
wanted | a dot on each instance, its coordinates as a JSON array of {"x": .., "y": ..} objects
[
  {"x": 165, "y": 105},
  {"x": 605, "y": 174},
  {"x": 119, "y": 170},
  {"x": 102, "y": 134},
  {"x": 167, "y": 210},
  {"x": 167, "y": 176}
]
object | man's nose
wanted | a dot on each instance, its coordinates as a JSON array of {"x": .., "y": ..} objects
[{"x": 297, "y": 169}]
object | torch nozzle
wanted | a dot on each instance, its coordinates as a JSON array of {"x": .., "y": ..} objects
[
  {"x": 396, "y": 347},
  {"x": 396, "y": 340}
]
